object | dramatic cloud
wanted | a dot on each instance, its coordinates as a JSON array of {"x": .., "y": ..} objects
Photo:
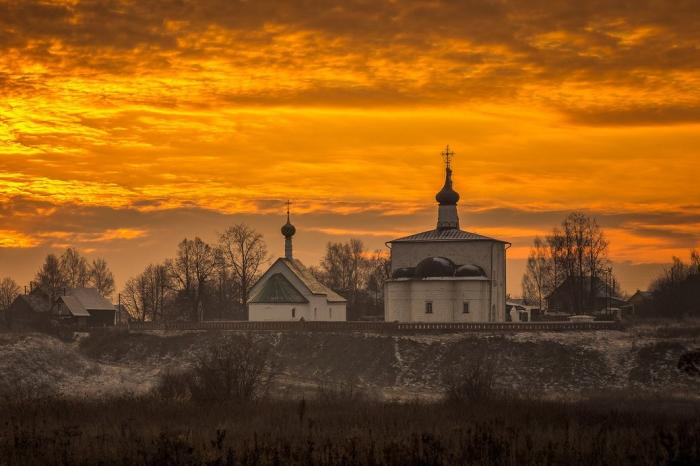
[{"x": 116, "y": 115}]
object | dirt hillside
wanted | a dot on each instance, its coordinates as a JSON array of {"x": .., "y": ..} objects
[{"x": 552, "y": 365}]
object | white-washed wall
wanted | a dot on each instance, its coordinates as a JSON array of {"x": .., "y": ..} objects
[
  {"x": 406, "y": 300},
  {"x": 262, "y": 312},
  {"x": 489, "y": 255}
]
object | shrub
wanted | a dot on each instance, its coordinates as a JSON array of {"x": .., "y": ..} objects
[
  {"x": 470, "y": 380},
  {"x": 173, "y": 385},
  {"x": 232, "y": 369}
]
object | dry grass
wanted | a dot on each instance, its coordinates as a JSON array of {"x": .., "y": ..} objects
[{"x": 614, "y": 430}]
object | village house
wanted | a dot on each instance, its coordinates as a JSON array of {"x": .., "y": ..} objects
[
  {"x": 640, "y": 300},
  {"x": 75, "y": 306},
  {"x": 446, "y": 274},
  {"x": 584, "y": 295}
]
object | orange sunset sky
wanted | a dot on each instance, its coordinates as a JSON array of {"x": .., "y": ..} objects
[{"x": 126, "y": 126}]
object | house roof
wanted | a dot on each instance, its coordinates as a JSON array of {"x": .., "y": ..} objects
[
  {"x": 74, "y": 306},
  {"x": 444, "y": 234},
  {"x": 277, "y": 289},
  {"x": 642, "y": 294},
  {"x": 599, "y": 288},
  {"x": 90, "y": 299},
  {"x": 307, "y": 278}
]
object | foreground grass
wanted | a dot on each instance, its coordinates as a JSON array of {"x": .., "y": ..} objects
[{"x": 614, "y": 431}]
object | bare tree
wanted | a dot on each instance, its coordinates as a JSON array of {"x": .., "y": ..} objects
[
  {"x": 50, "y": 277},
  {"x": 379, "y": 270},
  {"x": 224, "y": 295},
  {"x": 538, "y": 279},
  {"x": 133, "y": 298},
  {"x": 576, "y": 253},
  {"x": 244, "y": 252},
  {"x": 101, "y": 277},
  {"x": 74, "y": 269},
  {"x": 145, "y": 296},
  {"x": 191, "y": 270},
  {"x": 346, "y": 269},
  {"x": 9, "y": 290}
]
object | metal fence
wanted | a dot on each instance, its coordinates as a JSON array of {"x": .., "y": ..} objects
[{"x": 379, "y": 327}]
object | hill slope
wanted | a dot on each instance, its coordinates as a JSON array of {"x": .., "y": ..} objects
[{"x": 553, "y": 365}]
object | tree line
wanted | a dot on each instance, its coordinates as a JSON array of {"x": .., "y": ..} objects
[
  {"x": 203, "y": 281},
  {"x": 213, "y": 281},
  {"x": 676, "y": 291},
  {"x": 357, "y": 274},
  {"x": 575, "y": 253}
]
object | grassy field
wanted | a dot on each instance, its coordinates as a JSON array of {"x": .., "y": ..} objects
[{"x": 615, "y": 430}]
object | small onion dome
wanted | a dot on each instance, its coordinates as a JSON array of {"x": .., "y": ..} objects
[
  {"x": 447, "y": 195},
  {"x": 435, "y": 267},
  {"x": 404, "y": 272},
  {"x": 470, "y": 270},
  {"x": 288, "y": 229}
]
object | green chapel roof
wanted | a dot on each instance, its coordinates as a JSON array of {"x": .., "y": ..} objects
[{"x": 278, "y": 289}]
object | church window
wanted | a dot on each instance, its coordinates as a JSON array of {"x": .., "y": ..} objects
[
  {"x": 294, "y": 312},
  {"x": 465, "y": 307},
  {"x": 428, "y": 307},
  {"x": 330, "y": 313}
]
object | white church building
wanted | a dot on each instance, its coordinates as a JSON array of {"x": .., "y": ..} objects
[
  {"x": 446, "y": 274},
  {"x": 288, "y": 291}
]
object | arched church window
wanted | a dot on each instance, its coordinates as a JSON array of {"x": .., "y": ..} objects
[
  {"x": 294, "y": 312},
  {"x": 428, "y": 307}
]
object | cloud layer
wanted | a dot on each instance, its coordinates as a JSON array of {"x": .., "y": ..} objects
[{"x": 115, "y": 115}]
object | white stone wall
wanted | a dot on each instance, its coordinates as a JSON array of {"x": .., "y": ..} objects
[
  {"x": 258, "y": 312},
  {"x": 318, "y": 310},
  {"x": 321, "y": 309},
  {"x": 406, "y": 300},
  {"x": 489, "y": 255}
]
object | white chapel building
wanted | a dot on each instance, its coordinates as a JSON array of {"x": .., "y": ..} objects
[
  {"x": 446, "y": 274},
  {"x": 288, "y": 291}
]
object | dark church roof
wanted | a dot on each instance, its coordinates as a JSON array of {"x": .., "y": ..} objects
[
  {"x": 445, "y": 234},
  {"x": 278, "y": 289},
  {"x": 435, "y": 267}
]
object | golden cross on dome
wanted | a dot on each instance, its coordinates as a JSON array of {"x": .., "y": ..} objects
[{"x": 447, "y": 155}]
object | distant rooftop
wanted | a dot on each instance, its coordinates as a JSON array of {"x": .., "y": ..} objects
[{"x": 446, "y": 234}]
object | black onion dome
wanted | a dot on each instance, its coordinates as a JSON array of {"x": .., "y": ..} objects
[
  {"x": 447, "y": 195},
  {"x": 470, "y": 270},
  {"x": 288, "y": 229},
  {"x": 435, "y": 267},
  {"x": 404, "y": 272}
]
